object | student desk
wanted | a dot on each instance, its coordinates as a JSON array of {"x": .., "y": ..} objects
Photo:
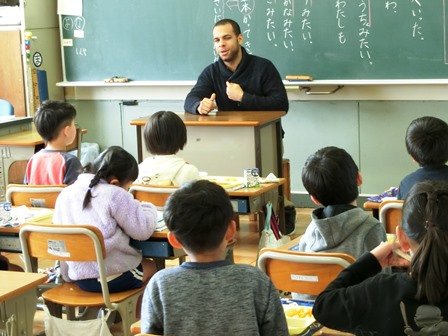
[
  {"x": 18, "y": 301},
  {"x": 374, "y": 207},
  {"x": 228, "y": 142},
  {"x": 156, "y": 247},
  {"x": 244, "y": 201}
]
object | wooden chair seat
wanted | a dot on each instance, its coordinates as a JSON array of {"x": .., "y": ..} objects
[{"x": 69, "y": 294}]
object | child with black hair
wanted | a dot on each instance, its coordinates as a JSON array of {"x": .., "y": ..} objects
[
  {"x": 365, "y": 301},
  {"x": 427, "y": 144},
  {"x": 165, "y": 134},
  {"x": 100, "y": 198},
  {"x": 208, "y": 295},
  {"x": 5, "y": 265},
  {"x": 55, "y": 123},
  {"x": 331, "y": 177}
]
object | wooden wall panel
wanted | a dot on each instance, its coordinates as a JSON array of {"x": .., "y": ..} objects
[{"x": 11, "y": 71}]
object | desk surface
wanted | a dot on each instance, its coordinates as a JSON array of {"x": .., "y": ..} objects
[
  {"x": 24, "y": 139},
  {"x": 369, "y": 205},
  {"x": 256, "y": 191},
  {"x": 14, "y": 284},
  {"x": 225, "y": 118}
]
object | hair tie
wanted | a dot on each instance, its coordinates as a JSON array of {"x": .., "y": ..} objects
[
  {"x": 431, "y": 209},
  {"x": 429, "y": 224},
  {"x": 431, "y": 196}
]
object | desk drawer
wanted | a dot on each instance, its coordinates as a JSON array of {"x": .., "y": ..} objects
[
  {"x": 154, "y": 248},
  {"x": 10, "y": 243},
  {"x": 240, "y": 205}
]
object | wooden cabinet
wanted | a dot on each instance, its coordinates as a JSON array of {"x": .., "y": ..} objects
[
  {"x": 12, "y": 86},
  {"x": 39, "y": 19}
]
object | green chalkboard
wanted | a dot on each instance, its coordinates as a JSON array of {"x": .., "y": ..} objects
[{"x": 328, "y": 39}]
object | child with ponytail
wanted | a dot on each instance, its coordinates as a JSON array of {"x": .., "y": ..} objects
[
  {"x": 100, "y": 198},
  {"x": 364, "y": 301}
]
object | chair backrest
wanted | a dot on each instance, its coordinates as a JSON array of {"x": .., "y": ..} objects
[
  {"x": 42, "y": 196},
  {"x": 390, "y": 214},
  {"x": 302, "y": 272},
  {"x": 154, "y": 195},
  {"x": 6, "y": 108},
  {"x": 65, "y": 243},
  {"x": 76, "y": 144},
  {"x": 16, "y": 171}
]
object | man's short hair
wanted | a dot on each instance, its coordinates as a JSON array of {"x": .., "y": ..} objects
[
  {"x": 235, "y": 25},
  {"x": 165, "y": 133},
  {"x": 330, "y": 175},
  {"x": 51, "y": 117},
  {"x": 198, "y": 214},
  {"x": 427, "y": 141}
]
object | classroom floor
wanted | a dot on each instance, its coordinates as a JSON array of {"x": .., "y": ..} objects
[{"x": 245, "y": 252}]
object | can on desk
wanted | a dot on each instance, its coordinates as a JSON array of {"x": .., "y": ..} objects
[{"x": 251, "y": 177}]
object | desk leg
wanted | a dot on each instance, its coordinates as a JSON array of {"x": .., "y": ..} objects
[
  {"x": 376, "y": 213},
  {"x": 261, "y": 220},
  {"x": 22, "y": 308},
  {"x": 160, "y": 263},
  {"x": 139, "y": 144},
  {"x": 281, "y": 210}
]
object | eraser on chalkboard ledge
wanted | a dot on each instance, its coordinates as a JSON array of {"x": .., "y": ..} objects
[
  {"x": 116, "y": 79},
  {"x": 299, "y": 78}
]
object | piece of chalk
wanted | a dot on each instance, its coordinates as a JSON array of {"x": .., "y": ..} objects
[{"x": 299, "y": 77}]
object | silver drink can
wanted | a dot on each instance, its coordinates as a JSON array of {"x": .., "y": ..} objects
[{"x": 251, "y": 177}]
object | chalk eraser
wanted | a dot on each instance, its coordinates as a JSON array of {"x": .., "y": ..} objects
[
  {"x": 116, "y": 79},
  {"x": 299, "y": 78}
]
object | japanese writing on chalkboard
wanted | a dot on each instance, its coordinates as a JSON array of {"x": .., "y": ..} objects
[
  {"x": 364, "y": 31},
  {"x": 328, "y": 39}
]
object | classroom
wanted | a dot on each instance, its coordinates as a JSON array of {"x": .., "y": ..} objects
[{"x": 383, "y": 65}]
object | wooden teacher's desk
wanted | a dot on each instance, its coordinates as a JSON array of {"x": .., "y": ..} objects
[
  {"x": 228, "y": 142},
  {"x": 18, "y": 300}
]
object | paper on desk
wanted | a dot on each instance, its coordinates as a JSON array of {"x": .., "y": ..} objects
[
  {"x": 160, "y": 222},
  {"x": 271, "y": 178},
  {"x": 22, "y": 214}
]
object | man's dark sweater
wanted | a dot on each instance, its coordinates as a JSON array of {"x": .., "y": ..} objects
[{"x": 258, "y": 77}]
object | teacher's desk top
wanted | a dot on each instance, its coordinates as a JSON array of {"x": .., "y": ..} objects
[{"x": 225, "y": 118}]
